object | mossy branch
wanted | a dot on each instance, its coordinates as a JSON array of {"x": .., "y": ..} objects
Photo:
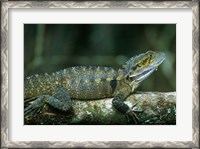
[{"x": 151, "y": 107}]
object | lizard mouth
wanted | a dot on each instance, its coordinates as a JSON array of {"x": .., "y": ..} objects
[
  {"x": 143, "y": 74},
  {"x": 160, "y": 58}
]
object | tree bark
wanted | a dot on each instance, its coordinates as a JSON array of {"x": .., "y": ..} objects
[{"x": 152, "y": 108}]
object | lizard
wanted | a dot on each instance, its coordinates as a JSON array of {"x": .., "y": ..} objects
[{"x": 90, "y": 82}]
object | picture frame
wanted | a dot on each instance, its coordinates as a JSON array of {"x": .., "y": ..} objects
[{"x": 5, "y": 131}]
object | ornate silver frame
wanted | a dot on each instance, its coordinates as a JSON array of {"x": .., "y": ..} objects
[{"x": 98, "y": 4}]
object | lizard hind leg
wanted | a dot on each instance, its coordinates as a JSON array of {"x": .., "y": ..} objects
[
  {"x": 59, "y": 99},
  {"x": 35, "y": 107}
]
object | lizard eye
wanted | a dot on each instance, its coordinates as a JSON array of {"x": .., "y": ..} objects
[{"x": 139, "y": 65}]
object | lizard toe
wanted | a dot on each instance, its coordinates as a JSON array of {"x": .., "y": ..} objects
[{"x": 132, "y": 117}]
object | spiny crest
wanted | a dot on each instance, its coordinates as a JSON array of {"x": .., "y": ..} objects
[{"x": 129, "y": 64}]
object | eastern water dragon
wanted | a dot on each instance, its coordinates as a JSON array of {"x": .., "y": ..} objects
[{"x": 90, "y": 82}]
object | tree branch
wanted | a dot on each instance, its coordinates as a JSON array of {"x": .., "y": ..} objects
[{"x": 151, "y": 108}]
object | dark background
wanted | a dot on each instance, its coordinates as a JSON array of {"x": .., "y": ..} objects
[{"x": 52, "y": 47}]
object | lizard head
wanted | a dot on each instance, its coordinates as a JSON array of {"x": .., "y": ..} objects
[{"x": 140, "y": 67}]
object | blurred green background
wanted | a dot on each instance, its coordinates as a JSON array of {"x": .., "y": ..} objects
[{"x": 52, "y": 47}]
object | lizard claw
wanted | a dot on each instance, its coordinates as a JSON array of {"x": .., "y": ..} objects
[
  {"x": 34, "y": 108},
  {"x": 31, "y": 111},
  {"x": 132, "y": 116}
]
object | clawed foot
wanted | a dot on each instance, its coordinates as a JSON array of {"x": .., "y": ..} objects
[
  {"x": 31, "y": 111},
  {"x": 34, "y": 108},
  {"x": 132, "y": 116}
]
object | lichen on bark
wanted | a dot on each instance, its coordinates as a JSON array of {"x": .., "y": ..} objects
[{"x": 152, "y": 108}]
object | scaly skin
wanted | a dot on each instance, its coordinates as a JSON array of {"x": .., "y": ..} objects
[{"x": 83, "y": 82}]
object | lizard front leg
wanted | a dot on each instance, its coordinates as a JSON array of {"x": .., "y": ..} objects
[
  {"x": 59, "y": 99},
  {"x": 118, "y": 103}
]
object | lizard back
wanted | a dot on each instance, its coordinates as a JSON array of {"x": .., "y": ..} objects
[
  {"x": 81, "y": 82},
  {"x": 91, "y": 82}
]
